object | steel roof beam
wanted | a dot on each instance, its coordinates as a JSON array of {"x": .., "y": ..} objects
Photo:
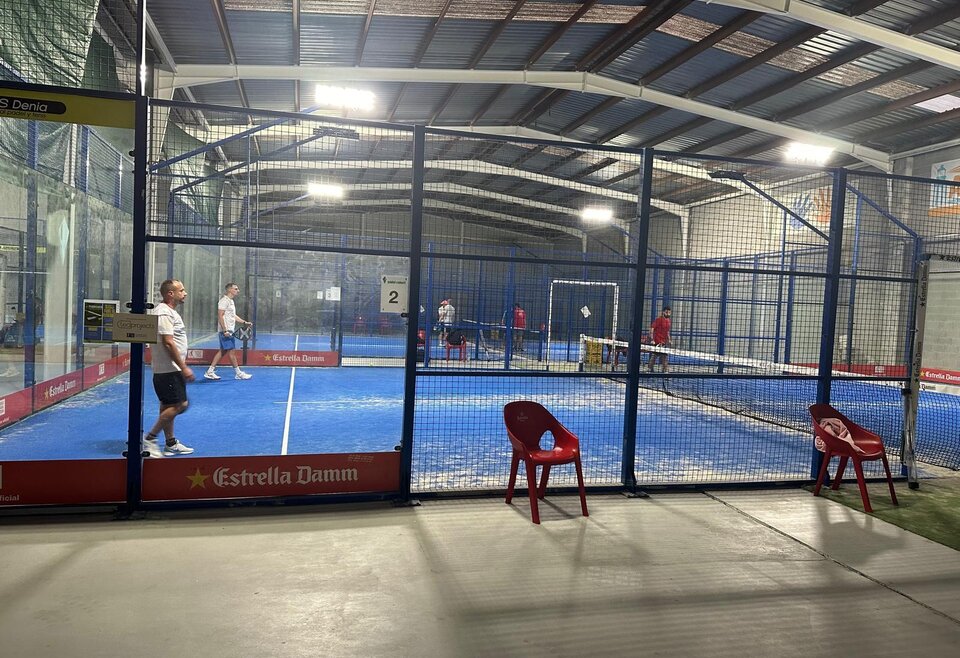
[
  {"x": 558, "y": 32},
  {"x": 362, "y": 41},
  {"x": 558, "y": 81},
  {"x": 857, "y": 29}
]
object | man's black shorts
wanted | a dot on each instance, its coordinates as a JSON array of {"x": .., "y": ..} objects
[{"x": 170, "y": 388}]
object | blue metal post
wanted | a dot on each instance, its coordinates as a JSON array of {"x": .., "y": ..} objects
[
  {"x": 28, "y": 329},
  {"x": 831, "y": 296},
  {"x": 413, "y": 306},
  {"x": 788, "y": 324},
  {"x": 722, "y": 316},
  {"x": 428, "y": 328},
  {"x": 138, "y": 282},
  {"x": 480, "y": 309},
  {"x": 852, "y": 299},
  {"x": 508, "y": 318},
  {"x": 628, "y": 460},
  {"x": 82, "y": 183},
  {"x": 692, "y": 312}
]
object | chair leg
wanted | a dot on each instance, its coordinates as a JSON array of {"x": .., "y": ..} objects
[
  {"x": 532, "y": 488},
  {"x": 823, "y": 473},
  {"x": 543, "y": 480},
  {"x": 863, "y": 486},
  {"x": 840, "y": 469},
  {"x": 886, "y": 467},
  {"x": 513, "y": 476},
  {"x": 583, "y": 491}
]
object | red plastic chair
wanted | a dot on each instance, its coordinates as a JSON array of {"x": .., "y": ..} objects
[
  {"x": 871, "y": 445},
  {"x": 461, "y": 347},
  {"x": 384, "y": 325},
  {"x": 359, "y": 325},
  {"x": 526, "y": 423}
]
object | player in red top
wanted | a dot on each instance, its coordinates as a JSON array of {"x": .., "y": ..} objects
[
  {"x": 519, "y": 326},
  {"x": 660, "y": 335}
]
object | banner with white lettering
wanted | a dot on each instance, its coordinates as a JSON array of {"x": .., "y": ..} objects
[{"x": 193, "y": 478}]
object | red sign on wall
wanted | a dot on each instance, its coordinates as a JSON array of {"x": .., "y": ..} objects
[
  {"x": 58, "y": 482},
  {"x": 188, "y": 478},
  {"x": 291, "y": 358},
  {"x": 15, "y": 406},
  {"x": 99, "y": 373},
  {"x": 56, "y": 389}
]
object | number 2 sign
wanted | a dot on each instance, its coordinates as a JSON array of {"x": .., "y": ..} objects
[{"x": 393, "y": 294}]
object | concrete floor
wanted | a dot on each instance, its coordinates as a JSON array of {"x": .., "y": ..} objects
[{"x": 725, "y": 574}]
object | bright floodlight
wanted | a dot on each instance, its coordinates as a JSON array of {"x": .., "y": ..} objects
[
  {"x": 325, "y": 190},
  {"x": 808, "y": 154},
  {"x": 598, "y": 215},
  {"x": 343, "y": 97}
]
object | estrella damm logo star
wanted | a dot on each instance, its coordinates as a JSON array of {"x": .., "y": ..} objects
[
  {"x": 198, "y": 479},
  {"x": 268, "y": 357}
]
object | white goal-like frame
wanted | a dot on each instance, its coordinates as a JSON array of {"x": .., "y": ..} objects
[{"x": 573, "y": 282}]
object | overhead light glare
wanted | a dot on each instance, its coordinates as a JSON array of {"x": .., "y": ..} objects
[
  {"x": 325, "y": 190},
  {"x": 808, "y": 154},
  {"x": 344, "y": 97},
  {"x": 597, "y": 215}
]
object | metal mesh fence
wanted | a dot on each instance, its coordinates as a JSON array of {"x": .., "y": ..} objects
[{"x": 81, "y": 44}]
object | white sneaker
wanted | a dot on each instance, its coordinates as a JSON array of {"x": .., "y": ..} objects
[
  {"x": 241, "y": 375},
  {"x": 177, "y": 449},
  {"x": 211, "y": 375},
  {"x": 151, "y": 447}
]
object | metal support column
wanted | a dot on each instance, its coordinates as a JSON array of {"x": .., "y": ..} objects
[{"x": 831, "y": 295}]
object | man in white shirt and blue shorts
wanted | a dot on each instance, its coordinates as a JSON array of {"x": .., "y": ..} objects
[
  {"x": 227, "y": 320},
  {"x": 170, "y": 371}
]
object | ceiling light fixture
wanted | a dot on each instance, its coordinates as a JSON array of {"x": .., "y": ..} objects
[
  {"x": 808, "y": 154},
  {"x": 597, "y": 215},
  {"x": 344, "y": 97},
  {"x": 325, "y": 190}
]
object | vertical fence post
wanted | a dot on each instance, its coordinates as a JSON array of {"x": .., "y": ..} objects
[
  {"x": 831, "y": 295},
  {"x": 722, "y": 315},
  {"x": 628, "y": 474},
  {"x": 82, "y": 183},
  {"x": 138, "y": 282},
  {"x": 29, "y": 329},
  {"x": 852, "y": 299},
  {"x": 413, "y": 311}
]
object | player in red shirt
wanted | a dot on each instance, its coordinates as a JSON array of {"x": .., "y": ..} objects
[
  {"x": 660, "y": 336},
  {"x": 519, "y": 326}
]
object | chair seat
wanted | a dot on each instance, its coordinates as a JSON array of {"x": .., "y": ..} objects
[{"x": 555, "y": 456}]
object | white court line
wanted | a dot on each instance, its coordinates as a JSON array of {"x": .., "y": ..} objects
[{"x": 286, "y": 420}]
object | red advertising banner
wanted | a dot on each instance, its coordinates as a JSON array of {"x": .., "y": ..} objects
[
  {"x": 291, "y": 358},
  {"x": 15, "y": 406},
  {"x": 122, "y": 363},
  {"x": 189, "y": 478},
  {"x": 56, "y": 389},
  {"x": 288, "y": 358},
  {"x": 82, "y": 481},
  {"x": 99, "y": 373},
  {"x": 940, "y": 376}
]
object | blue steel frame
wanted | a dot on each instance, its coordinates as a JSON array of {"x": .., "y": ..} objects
[{"x": 638, "y": 265}]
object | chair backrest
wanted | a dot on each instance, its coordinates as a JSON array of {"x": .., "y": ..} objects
[
  {"x": 823, "y": 438},
  {"x": 528, "y": 421}
]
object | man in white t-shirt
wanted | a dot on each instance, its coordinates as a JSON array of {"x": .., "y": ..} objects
[
  {"x": 446, "y": 314},
  {"x": 227, "y": 320},
  {"x": 170, "y": 371}
]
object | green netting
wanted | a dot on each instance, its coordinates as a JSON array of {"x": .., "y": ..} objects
[{"x": 48, "y": 41}]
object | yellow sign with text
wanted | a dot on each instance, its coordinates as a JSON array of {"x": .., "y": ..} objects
[{"x": 66, "y": 108}]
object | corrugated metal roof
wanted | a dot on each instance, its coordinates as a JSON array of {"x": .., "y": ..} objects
[
  {"x": 515, "y": 45},
  {"x": 261, "y": 37},
  {"x": 329, "y": 40},
  {"x": 391, "y": 41},
  {"x": 190, "y": 31},
  {"x": 270, "y": 94}
]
